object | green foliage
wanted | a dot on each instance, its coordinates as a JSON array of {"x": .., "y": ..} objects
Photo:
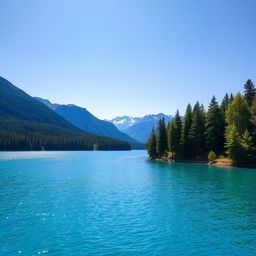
[
  {"x": 185, "y": 143},
  {"x": 151, "y": 145},
  {"x": 229, "y": 125},
  {"x": 238, "y": 140},
  {"x": 214, "y": 127},
  {"x": 249, "y": 92},
  {"x": 253, "y": 117},
  {"x": 161, "y": 138},
  {"x": 233, "y": 143},
  {"x": 240, "y": 147},
  {"x": 16, "y": 104},
  {"x": 26, "y": 124},
  {"x": 248, "y": 148},
  {"x": 197, "y": 131},
  {"x": 224, "y": 103},
  {"x": 238, "y": 114},
  {"x": 174, "y": 134},
  {"x": 15, "y": 142},
  {"x": 211, "y": 156}
]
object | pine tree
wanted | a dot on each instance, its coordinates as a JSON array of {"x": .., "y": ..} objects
[
  {"x": 161, "y": 138},
  {"x": 185, "y": 142},
  {"x": 151, "y": 145},
  {"x": 197, "y": 131},
  {"x": 178, "y": 122},
  {"x": 214, "y": 127},
  {"x": 172, "y": 136},
  {"x": 249, "y": 92},
  {"x": 224, "y": 103}
]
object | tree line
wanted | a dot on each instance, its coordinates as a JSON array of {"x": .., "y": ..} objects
[
  {"x": 225, "y": 129},
  {"x": 26, "y": 135},
  {"x": 15, "y": 142}
]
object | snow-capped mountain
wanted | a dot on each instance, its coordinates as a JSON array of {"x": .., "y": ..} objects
[
  {"x": 139, "y": 128},
  {"x": 83, "y": 119},
  {"x": 124, "y": 122}
]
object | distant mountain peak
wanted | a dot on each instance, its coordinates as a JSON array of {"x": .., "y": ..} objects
[
  {"x": 83, "y": 119},
  {"x": 139, "y": 127},
  {"x": 47, "y": 103}
]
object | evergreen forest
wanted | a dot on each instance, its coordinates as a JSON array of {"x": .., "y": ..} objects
[{"x": 223, "y": 130}]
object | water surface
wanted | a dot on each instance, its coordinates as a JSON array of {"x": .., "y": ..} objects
[{"x": 118, "y": 203}]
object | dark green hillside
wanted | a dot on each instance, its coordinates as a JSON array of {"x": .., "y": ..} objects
[
  {"x": 26, "y": 124},
  {"x": 32, "y": 141},
  {"x": 16, "y": 104},
  {"x": 28, "y": 127}
]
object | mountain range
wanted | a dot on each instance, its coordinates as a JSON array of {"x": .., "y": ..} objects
[
  {"x": 27, "y": 124},
  {"x": 139, "y": 128},
  {"x": 83, "y": 119},
  {"x": 24, "y": 115}
]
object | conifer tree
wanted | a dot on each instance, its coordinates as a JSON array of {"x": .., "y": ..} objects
[
  {"x": 214, "y": 127},
  {"x": 178, "y": 122},
  {"x": 224, "y": 103},
  {"x": 249, "y": 92},
  {"x": 231, "y": 97},
  {"x": 161, "y": 138},
  {"x": 172, "y": 135},
  {"x": 197, "y": 131},
  {"x": 151, "y": 145},
  {"x": 185, "y": 143}
]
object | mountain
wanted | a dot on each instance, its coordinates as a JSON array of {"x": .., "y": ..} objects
[
  {"x": 26, "y": 123},
  {"x": 83, "y": 119},
  {"x": 124, "y": 122},
  {"x": 139, "y": 128}
]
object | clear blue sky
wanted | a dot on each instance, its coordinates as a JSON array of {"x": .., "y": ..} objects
[{"x": 131, "y": 57}]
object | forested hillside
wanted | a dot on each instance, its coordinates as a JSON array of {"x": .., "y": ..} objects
[
  {"x": 83, "y": 119},
  {"x": 26, "y": 124},
  {"x": 224, "y": 130}
]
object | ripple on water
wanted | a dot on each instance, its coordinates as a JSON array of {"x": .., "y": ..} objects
[{"x": 118, "y": 203}]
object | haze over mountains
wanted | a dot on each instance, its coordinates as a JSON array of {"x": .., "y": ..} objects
[
  {"x": 23, "y": 115},
  {"x": 134, "y": 130},
  {"x": 139, "y": 128},
  {"x": 83, "y": 119},
  {"x": 27, "y": 124}
]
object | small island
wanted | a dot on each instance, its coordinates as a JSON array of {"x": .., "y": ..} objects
[{"x": 224, "y": 135}]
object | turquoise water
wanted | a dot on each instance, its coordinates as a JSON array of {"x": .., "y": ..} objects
[{"x": 118, "y": 203}]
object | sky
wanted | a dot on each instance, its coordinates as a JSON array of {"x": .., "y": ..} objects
[{"x": 130, "y": 57}]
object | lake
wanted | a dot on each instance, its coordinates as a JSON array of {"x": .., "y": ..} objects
[{"x": 119, "y": 203}]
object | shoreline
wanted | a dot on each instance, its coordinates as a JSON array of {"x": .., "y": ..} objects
[{"x": 205, "y": 162}]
